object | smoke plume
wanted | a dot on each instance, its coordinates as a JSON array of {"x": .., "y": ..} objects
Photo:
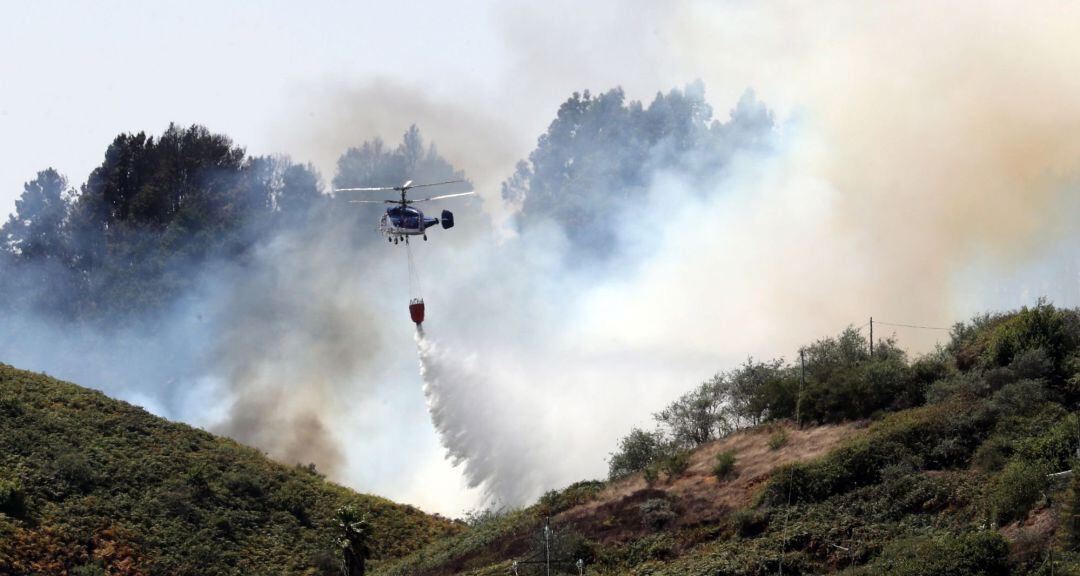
[{"x": 295, "y": 334}]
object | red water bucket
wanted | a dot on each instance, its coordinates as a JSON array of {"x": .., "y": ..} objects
[{"x": 416, "y": 310}]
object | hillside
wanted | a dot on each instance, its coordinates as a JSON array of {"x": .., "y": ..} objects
[
  {"x": 94, "y": 486},
  {"x": 960, "y": 478},
  {"x": 948, "y": 464}
]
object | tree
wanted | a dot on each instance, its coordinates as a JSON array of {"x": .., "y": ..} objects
[
  {"x": 373, "y": 164},
  {"x": 353, "y": 539},
  {"x": 637, "y": 450},
  {"x": 36, "y": 231},
  {"x": 699, "y": 415},
  {"x": 300, "y": 189},
  {"x": 601, "y": 152},
  {"x": 761, "y": 390}
]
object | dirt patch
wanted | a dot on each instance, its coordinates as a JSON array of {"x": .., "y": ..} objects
[
  {"x": 1028, "y": 538},
  {"x": 697, "y": 494}
]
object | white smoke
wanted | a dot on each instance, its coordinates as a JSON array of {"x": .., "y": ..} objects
[{"x": 924, "y": 170}]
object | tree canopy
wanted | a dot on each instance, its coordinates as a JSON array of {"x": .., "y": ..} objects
[
  {"x": 600, "y": 153},
  {"x": 157, "y": 209}
]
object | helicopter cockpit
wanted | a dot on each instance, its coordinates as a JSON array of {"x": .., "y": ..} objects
[{"x": 401, "y": 217}]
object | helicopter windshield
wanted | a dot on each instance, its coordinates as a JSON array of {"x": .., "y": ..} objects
[{"x": 404, "y": 218}]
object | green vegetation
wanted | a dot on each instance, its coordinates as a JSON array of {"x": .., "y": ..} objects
[
  {"x": 946, "y": 473},
  {"x": 657, "y": 513},
  {"x": 778, "y": 439},
  {"x": 843, "y": 382},
  {"x": 576, "y": 494},
  {"x": 160, "y": 210},
  {"x": 971, "y": 554},
  {"x": 636, "y": 452},
  {"x": 353, "y": 540},
  {"x": 725, "y": 465},
  {"x": 934, "y": 483},
  {"x": 677, "y": 463},
  {"x": 601, "y": 143},
  {"x": 90, "y": 485},
  {"x": 1070, "y": 513}
]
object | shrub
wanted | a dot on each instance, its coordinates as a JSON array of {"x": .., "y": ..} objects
[
  {"x": 74, "y": 470},
  {"x": 1019, "y": 398},
  {"x": 653, "y": 547},
  {"x": 778, "y": 439},
  {"x": 1070, "y": 512},
  {"x": 295, "y": 498},
  {"x": 1032, "y": 364},
  {"x": 244, "y": 484},
  {"x": 483, "y": 516},
  {"x": 651, "y": 474},
  {"x": 1042, "y": 327},
  {"x": 12, "y": 498},
  {"x": 677, "y": 463},
  {"x": 725, "y": 465},
  {"x": 1054, "y": 447},
  {"x": 966, "y": 385},
  {"x": 636, "y": 451},
  {"x": 992, "y": 455},
  {"x": 656, "y": 513},
  {"x": 92, "y": 569},
  {"x": 909, "y": 436},
  {"x": 749, "y": 523},
  {"x": 973, "y": 554},
  {"x": 555, "y": 501},
  {"x": 949, "y": 452},
  {"x": 1016, "y": 489}
]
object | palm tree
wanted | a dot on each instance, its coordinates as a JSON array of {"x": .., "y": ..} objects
[{"x": 353, "y": 535}]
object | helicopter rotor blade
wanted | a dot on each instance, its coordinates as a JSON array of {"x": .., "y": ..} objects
[
  {"x": 383, "y": 188},
  {"x": 374, "y": 201},
  {"x": 443, "y": 196},
  {"x": 432, "y": 184}
]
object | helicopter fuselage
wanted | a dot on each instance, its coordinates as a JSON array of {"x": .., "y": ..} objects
[{"x": 405, "y": 221}]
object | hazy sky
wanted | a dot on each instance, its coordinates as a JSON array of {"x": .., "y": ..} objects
[{"x": 75, "y": 74}]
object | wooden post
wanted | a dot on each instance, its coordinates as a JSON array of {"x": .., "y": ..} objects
[
  {"x": 871, "y": 337},
  {"x": 802, "y": 384}
]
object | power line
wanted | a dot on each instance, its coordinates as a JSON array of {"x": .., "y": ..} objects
[{"x": 912, "y": 326}]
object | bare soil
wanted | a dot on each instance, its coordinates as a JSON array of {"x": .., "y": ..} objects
[{"x": 697, "y": 494}]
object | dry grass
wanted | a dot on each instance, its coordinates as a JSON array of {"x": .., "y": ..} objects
[{"x": 697, "y": 493}]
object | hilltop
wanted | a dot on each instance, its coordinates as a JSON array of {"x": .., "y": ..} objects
[{"x": 92, "y": 486}]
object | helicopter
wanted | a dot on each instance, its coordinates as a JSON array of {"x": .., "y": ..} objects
[{"x": 402, "y": 220}]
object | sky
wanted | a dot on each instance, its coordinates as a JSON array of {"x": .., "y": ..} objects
[
  {"x": 277, "y": 76},
  {"x": 79, "y": 73},
  {"x": 926, "y": 171}
]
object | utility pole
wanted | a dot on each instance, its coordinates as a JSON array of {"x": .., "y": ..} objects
[
  {"x": 802, "y": 384},
  {"x": 545, "y": 558},
  {"x": 547, "y": 547},
  {"x": 871, "y": 337}
]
